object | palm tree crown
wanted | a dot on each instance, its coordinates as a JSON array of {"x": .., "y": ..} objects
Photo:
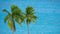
[
  {"x": 30, "y": 15},
  {"x": 15, "y": 15}
]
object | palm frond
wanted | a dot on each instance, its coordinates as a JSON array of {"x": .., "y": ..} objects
[
  {"x": 4, "y": 10},
  {"x": 7, "y": 17},
  {"x": 11, "y": 25},
  {"x": 30, "y": 14},
  {"x": 29, "y": 10},
  {"x": 15, "y": 9},
  {"x": 34, "y": 18},
  {"x": 18, "y": 20}
]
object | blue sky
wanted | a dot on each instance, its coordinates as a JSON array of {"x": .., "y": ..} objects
[{"x": 47, "y": 12}]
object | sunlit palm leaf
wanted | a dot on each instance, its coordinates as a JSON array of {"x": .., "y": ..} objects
[{"x": 11, "y": 25}]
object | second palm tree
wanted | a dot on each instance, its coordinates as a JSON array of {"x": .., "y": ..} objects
[{"x": 30, "y": 17}]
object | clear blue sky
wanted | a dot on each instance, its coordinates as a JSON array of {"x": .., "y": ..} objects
[{"x": 47, "y": 11}]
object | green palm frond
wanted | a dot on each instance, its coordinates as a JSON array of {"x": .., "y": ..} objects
[
  {"x": 4, "y": 10},
  {"x": 34, "y": 17},
  {"x": 29, "y": 10},
  {"x": 11, "y": 25},
  {"x": 30, "y": 14},
  {"x": 18, "y": 20},
  {"x": 15, "y": 9},
  {"x": 7, "y": 17}
]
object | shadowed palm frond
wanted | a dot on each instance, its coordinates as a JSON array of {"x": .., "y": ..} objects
[
  {"x": 7, "y": 17},
  {"x": 4, "y": 10},
  {"x": 29, "y": 10}
]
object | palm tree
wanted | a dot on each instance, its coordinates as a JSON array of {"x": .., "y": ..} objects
[
  {"x": 30, "y": 17},
  {"x": 15, "y": 15}
]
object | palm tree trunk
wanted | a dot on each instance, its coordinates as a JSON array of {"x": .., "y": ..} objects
[
  {"x": 28, "y": 29},
  {"x": 13, "y": 27},
  {"x": 12, "y": 32}
]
